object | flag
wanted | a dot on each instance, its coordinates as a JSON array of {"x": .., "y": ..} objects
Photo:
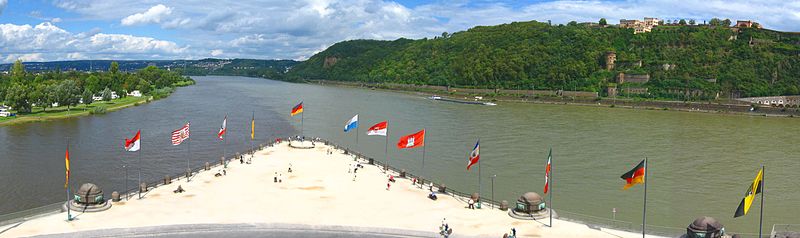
[
  {"x": 755, "y": 188},
  {"x": 132, "y": 144},
  {"x": 635, "y": 176},
  {"x": 378, "y": 129},
  {"x": 66, "y": 165},
  {"x": 253, "y": 127},
  {"x": 412, "y": 141},
  {"x": 475, "y": 155},
  {"x": 297, "y": 109},
  {"x": 223, "y": 128},
  {"x": 179, "y": 135},
  {"x": 547, "y": 172},
  {"x": 351, "y": 124}
]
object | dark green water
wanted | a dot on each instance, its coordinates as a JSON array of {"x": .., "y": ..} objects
[{"x": 699, "y": 164}]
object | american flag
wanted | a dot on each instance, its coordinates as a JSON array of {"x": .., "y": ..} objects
[{"x": 180, "y": 135}]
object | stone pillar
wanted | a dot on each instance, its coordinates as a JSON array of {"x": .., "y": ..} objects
[
  {"x": 443, "y": 188},
  {"x": 142, "y": 187},
  {"x": 188, "y": 173},
  {"x": 504, "y": 205},
  {"x": 403, "y": 173},
  {"x": 208, "y": 166},
  {"x": 371, "y": 161},
  {"x": 221, "y": 160},
  {"x": 167, "y": 179},
  {"x": 115, "y": 196}
]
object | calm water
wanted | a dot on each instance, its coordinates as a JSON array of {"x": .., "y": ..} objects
[{"x": 700, "y": 164}]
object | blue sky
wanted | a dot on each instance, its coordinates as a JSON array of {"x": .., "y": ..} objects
[{"x": 46, "y": 30}]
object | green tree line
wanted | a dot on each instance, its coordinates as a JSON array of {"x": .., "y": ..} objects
[
  {"x": 21, "y": 90},
  {"x": 710, "y": 59}
]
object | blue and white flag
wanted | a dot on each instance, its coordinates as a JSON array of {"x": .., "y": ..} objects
[{"x": 352, "y": 124}]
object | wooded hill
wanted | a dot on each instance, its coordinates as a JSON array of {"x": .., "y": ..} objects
[{"x": 705, "y": 60}]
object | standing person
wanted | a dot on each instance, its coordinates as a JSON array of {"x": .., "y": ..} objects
[
  {"x": 280, "y": 178},
  {"x": 471, "y": 204},
  {"x": 290, "y": 167},
  {"x": 388, "y": 186},
  {"x": 513, "y": 232},
  {"x": 275, "y": 179}
]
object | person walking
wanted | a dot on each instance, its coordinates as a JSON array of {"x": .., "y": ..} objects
[{"x": 471, "y": 204}]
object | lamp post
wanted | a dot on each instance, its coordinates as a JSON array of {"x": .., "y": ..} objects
[{"x": 493, "y": 176}]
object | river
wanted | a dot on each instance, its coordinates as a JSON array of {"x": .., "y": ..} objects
[{"x": 699, "y": 164}]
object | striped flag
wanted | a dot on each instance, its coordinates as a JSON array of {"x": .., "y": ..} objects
[
  {"x": 475, "y": 155},
  {"x": 635, "y": 176},
  {"x": 379, "y": 129},
  {"x": 223, "y": 128},
  {"x": 179, "y": 135},
  {"x": 547, "y": 172},
  {"x": 253, "y": 127},
  {"x": 750, "y": 196},
  {"x": 133, "y": 144},
  {"x": 297, "y": 109},
  {"x": 66, "y": 165}
]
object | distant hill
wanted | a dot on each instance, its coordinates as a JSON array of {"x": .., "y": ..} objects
[
  {"x": 274, "y": 69},
  {"x": 675, "y": 62}
]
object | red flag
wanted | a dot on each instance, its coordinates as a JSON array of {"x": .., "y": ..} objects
[
  {"x": 179, "y": 135},
  {"x": 378, "y": 129},
  {"x": 412, "y": 141},
  {"x": 223, "y": 128},
  {"x": 133, "y": 144},
  {"x": 66, "y": 162}
]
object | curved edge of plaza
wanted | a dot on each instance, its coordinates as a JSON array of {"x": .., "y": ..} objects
[{"x": 320, "y": 197}]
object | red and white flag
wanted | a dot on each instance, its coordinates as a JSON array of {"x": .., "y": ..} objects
[
  {"x": 547, "y": 172},
  {"x": 180, "y": 135},
  {"x": 222, "y": 129},
  {"x": 133, "y": 144},
  {"x": 475, "y": 155},
  {"x": 379, "y": 129},
  {"x": 412, "y": 141}
]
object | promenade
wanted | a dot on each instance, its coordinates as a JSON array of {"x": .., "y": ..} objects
[{"x": 318, "y": 192}]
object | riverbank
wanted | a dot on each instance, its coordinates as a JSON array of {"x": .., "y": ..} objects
[
  {"x": 319, "y": 192},
  {"x": 576, "y": 98},
  {"x": 39, "y": 114}
]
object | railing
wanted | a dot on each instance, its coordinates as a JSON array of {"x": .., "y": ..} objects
[
  {"x": 21, "y": 216},
  {"x": 785, "y": 230}
]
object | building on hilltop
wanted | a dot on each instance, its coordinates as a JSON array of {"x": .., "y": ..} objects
[
  {"x": 747, "y": 24},
  {"x": 640, "y": 26}
]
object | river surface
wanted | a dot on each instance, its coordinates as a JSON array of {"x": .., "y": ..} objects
[{"x": 699, "y": 164}]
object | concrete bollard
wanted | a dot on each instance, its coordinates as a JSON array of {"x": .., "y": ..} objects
[
  {"x": 222, "y": 161},
  {"x": 371, "y": 161},
  {"x": 403, "y": 173},
  {"x": 188, "y": 173},
  {"x": 115, "y": 196},
  {"x": 443, "y": 188},
  {"x": 208, "y": 166},
  {"x": 167, "y": 179},
  {"x": 504, "y": 205},
  {"x": 142, "y": 187}
]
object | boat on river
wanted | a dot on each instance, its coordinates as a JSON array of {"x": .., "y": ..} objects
[{"x": 475, "y": 102}]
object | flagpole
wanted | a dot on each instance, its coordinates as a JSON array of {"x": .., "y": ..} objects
[
  {"x": 140, "y": 163},
  {"x": 125, "y": 166},
  {"x": 550, "y": 185},
  {"x": 423, "y": 162},
  {"x": 357, "y": 132},
  {"x": 644, "y": 211},
  {"x": 69, "y": 215},
  {"x": 761, "y": 216},
  {"x": 188, "y": 156},
  {"x": 386, "y": 148},
  {"x": 225, "y": 143},
  {"x": 480, "y": 186},
  {"x": 301, "y": 124}
]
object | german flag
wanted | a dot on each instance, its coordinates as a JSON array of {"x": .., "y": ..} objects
[
  {"x": 297, "y": 109},
  {"x": 747, "y": 201},
  {"x": 635, "y": 176}
]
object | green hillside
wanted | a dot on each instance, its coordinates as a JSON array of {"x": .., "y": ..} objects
[{"x": 525, "y": 55}]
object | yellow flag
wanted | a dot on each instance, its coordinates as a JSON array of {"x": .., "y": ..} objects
[
  {"x": 747, "y": 201},
  {"x": 253, "y": 127},
  {"x": 66, "y": 161}
]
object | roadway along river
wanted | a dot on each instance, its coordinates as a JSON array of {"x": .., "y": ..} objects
[{"x": 700, "y": 164}]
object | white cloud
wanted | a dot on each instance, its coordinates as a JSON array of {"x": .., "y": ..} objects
[
  {"x": 55, "y": 20},
  {"x": 217, "y": 52},
  {"x": 46, "y": 41},
  {"x": 153, "y": 15}
]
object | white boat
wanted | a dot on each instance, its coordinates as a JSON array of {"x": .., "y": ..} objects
[
  {"x": 489, "y": 104},
  {"x": 4, "y": 112},
  {"x": 434, "y": 97}
]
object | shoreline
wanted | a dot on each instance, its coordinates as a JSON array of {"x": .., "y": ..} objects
[
  {"x": 319, "y": 192},
  {"x": 625, "y": 103},
  {"x": 79, "y": 111}
]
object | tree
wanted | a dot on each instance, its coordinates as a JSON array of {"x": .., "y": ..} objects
[
  {"x": 17, "y": 71},
  {"x": 18, "y": 98},
  {"x": 682, "y": 22},
  {"x": 715, "y": 22},
  {"x": 92, "y": 84},
  {"x": 726, "y": 22},
  {"x": 67, "y": 93},
  {"x": 572, "y": 23},
  {"x": 114, "y": 67},
  {"x": 603, "y": 22},
  {"x": 87, "y": 97},
  {"x": 692, "y": 22},
  {"x": 107, "y": 94}
]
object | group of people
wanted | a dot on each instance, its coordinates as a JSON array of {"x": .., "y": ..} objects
[{"x": 445, "y": 230}]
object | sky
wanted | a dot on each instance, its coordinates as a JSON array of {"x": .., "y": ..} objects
[{"x": 50, "y": 30}]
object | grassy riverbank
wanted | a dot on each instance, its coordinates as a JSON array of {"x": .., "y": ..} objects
[{"x": 39, "y": 114}]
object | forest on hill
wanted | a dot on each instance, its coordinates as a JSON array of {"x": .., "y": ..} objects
[{"x": 707, "y": 60}]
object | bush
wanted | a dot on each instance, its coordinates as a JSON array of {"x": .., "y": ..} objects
[{"x": 98, "y": 110}]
